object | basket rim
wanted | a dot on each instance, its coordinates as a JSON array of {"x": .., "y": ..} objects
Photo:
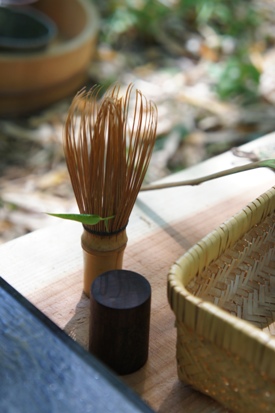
[{"x": 208, "y": 320}]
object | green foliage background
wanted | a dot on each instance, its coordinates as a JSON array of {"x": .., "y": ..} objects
[{"x": 236, "y": 21}]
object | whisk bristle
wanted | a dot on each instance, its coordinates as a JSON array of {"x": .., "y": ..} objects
[{"x": 107, "y": 153}]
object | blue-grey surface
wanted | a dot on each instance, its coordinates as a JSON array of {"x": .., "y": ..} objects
[{"x": 43, "y": 370}]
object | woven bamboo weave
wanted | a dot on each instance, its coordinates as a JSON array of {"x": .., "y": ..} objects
[{"x": 222, "y": 292}]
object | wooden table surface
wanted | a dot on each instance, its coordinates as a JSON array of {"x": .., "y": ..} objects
[{"x": 46, "y": 266}]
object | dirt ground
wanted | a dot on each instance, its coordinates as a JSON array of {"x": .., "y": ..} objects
[{"x": 193, "y": 126}]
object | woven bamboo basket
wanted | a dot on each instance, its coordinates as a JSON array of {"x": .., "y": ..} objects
[{"x": 222, "y": 292}]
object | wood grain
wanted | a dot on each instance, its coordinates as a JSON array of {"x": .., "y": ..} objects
[{"x": 46, "y": 266}]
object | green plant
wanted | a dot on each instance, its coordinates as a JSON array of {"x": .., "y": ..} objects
[
  {"x": 86, "y": 219},
  {"x": 120, "y": 17},
  {"x": 236, "y": 21},
  {"x": 236, "y": 76}
]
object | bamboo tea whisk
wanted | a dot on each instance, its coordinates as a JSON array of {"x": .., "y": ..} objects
[{"x": 108, "y": 146}]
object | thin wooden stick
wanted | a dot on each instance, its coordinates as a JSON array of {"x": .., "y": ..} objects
[{"x": 268, "y": 163}]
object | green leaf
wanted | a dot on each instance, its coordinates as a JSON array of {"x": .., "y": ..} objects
[
  {"x": 268, "y": 163},
  {"x": 87, "y": 219}
]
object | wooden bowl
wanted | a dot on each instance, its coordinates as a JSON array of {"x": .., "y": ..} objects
[
  {"x": 30, "y": 81},
  {"x": 25, "y": 28}
]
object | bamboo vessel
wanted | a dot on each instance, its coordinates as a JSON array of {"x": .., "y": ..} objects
[
  {"x": 223, "y": 296},
  {"x": 108, "y": 146}
]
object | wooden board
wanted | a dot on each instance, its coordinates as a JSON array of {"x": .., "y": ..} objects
[{"x": 46, "y": 266}]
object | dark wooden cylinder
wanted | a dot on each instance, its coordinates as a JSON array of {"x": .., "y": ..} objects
[{"x": 120, "y": 320}]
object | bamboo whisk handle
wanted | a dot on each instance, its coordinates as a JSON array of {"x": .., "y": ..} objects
[{"x": 101, "y": 253}]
